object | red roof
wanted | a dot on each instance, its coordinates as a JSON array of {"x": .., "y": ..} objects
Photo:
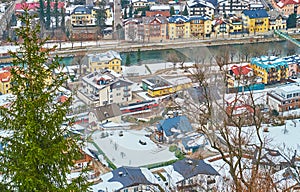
[
  {"x": 5, "y": 76},
  {"x": 243, "y": 70},
  {"x": 239, "y": 110},
  {"x": 155, "y": 13},
  {"x": 63, "y": 99},
  {"x": 283, "y": 3},
  {"x": 35, "y": 5}
]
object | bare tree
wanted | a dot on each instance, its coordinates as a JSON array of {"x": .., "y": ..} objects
[
  {"x": 233, "y": 123},
  {"x": 132, "y": 32}
]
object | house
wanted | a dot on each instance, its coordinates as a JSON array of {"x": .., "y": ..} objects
[
  {"x": 105, "y": 87},
  {"x": 159, "y": 86},
  {"x": 190, "y": 175},
  {"x": 90, "y": 162},
  {"x": 284, "y": 98},
  {"x": 127, "y": 179},
  {"x": 201, "y": 7},
  {"x": 220, "y": 27},
  {"x": 270, "y": 68},
  {"x": 179, "y": 27},
  {"x": 226, "y": 7},
  {"x": 235, "y": 26},
  {"x": 287, "y": 7},
  {"x": 242, "y": 78},
  {"x": 5, "y": 84},
  {"x": 139, "y": 3},
  {"x": 239, "y": 109},
  {"x": 200, "y": 26},
  {"x": 293, "y": 62},
  {"x": 271, "y": 160},
  {"x": 255, "y": 21},
  {"x": 108, "y": 60},
  {"x": 134, "y": 30},
  {"x": 193, "y": 142},
  {"x": 277, "y": 21},
  {"x": 82, "y": 17},
  {"x": 104, "y": 114},
  {"x": 172, "y": 127},
  {"x": 155, "y": 28},
  {"x": 287, "y": 180}
]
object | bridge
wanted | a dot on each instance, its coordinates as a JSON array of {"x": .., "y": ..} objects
[{"x": 287, "y": 37}]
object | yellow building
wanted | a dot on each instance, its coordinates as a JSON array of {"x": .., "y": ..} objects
[
  {"x": 108, "y": 60},
  {"x": 270, "y": 69},
  {"x": 235, "y": 26},
  {"x": 278, "y": 22},
  {"x": 83, "y": 16},
  {"x": 5, "y": 77},
  {"x": 159, "y": 86},
  {"x": 179, "y": 27},
  {"x": 200, "y": 26},
  {"x": 255, "y": 21}
]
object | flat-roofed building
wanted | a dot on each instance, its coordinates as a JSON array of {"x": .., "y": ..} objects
[
  {"x": 284, "y": 98},
  {"x": 159, "y": 86}
]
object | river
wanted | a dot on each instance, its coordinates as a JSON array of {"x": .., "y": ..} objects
[{"x": 189, "y": 54}]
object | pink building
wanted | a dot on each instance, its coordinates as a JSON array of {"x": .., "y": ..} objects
[{"x": 293, "y": 63}]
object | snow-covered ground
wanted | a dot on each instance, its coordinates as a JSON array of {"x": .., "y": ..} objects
[
  {"x": 285, "y": 137},
  {"x": 127, "y": 151}
]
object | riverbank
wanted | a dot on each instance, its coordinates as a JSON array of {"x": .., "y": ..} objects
[{"x": 122, "y": 46}]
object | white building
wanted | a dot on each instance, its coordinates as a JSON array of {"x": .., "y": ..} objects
[
  {"x": 284, "y": 98},
  {"x": 105, "y": 87}
]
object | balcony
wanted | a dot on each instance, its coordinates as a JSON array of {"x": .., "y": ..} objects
[
  {"x": 259, "y": 22},
  {"x": 126, "y": 89},
  {"x": 126, "y": 95}
]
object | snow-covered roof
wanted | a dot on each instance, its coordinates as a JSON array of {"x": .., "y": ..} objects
[
  {"x": 104, "y": 57},
  {"x": 159, "y": 7},
  {"x": 124, "y": 177},
  {"x": 200, "y": 3}
]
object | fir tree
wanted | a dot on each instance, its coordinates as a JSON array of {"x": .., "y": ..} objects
[
  {"x": 48, "y": 15},
  {"x": 63, "y": 22},
  {"x": 130, "y": 11},
  {"x": 101, "y": 16},
  {"x": 37, "y": 155},
  {"x": 125, "y": 13},
  {"x": 172, "y": 11},
  {"x": 127, "y": 63},
  {"x": 56, "y": 13},
  {"x": 138, "y": 56},
  {"x": 185, "y": 11},
  {"x": 41, "y": 12}
]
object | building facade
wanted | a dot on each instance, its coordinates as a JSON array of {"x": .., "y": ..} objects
[
  {"x": 200, "y": 26},
  {"x": 108, "y": 60},
  {"x": 284, "y": 98},
  {"x": 270, "y": 69},
  {"x": 179, "y": 27},
  {"x": 105, "y": 87},
  {"x": 255, "y": 21},
  {"x": 159, "y": 86},
  {"x": 5, "y": 82}
]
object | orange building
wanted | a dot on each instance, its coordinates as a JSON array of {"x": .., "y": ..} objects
[{"x": 5, "y": 77}]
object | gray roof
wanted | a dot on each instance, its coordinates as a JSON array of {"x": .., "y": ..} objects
[
  {"x": 129, "y": 176},
  {"x": 107, "y": 111},
  {"x": 191, "y": 167},
  {"x": 120, "y": 83},
  {"x": 81, "y": 10}
]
